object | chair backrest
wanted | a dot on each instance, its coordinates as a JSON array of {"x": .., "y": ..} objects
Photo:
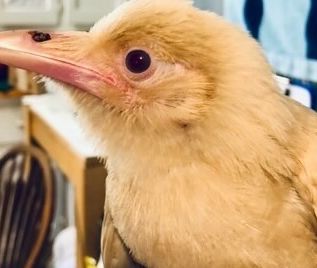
[{"x": 26, "y": 206}]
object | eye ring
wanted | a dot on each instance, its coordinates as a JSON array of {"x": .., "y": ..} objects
[{"x": 138, "y": 61}]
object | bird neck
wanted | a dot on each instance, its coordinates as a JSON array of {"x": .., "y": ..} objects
[{"x": 230, "y": 143}]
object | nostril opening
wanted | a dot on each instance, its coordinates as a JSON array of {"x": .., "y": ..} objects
[{"x": 40, "y": 36}]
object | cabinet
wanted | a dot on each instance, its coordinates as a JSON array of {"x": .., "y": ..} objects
[
  {"x": 53, "y": 13},
  {"x": 29, "y": 12},
  {"x": 87, "y": 12}
]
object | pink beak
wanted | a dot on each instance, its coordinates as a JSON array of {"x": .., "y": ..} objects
[{"x": 61, "y": 56}]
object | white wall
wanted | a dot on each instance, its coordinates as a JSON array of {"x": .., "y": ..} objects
[{"x": 10, "y": 124}]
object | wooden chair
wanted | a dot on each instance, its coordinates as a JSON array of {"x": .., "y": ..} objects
[{"x": 26, "y": 206}]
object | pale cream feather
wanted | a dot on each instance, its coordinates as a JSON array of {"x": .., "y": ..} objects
[{"x": 209, "y": 165}]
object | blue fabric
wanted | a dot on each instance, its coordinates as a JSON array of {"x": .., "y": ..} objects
[
  {"x": 287, "y": 31},
  {"x": 253, "y": 13},
  {"x": 311, "y": 31}
]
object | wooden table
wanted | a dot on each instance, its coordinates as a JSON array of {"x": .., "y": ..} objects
[{"x": 53, "y": 126}]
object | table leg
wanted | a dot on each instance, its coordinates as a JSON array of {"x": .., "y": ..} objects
[
  {"x": 26, "y": 124},
  {"x": 90, "y": 198}
]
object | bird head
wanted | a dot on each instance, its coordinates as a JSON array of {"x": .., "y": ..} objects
[{"x": 149, "y": 67}]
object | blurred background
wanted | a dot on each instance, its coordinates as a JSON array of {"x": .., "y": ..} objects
[{"x": 33, "y": 115}]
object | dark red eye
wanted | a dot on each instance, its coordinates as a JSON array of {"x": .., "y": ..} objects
[{"x": 138, "y": 61}]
